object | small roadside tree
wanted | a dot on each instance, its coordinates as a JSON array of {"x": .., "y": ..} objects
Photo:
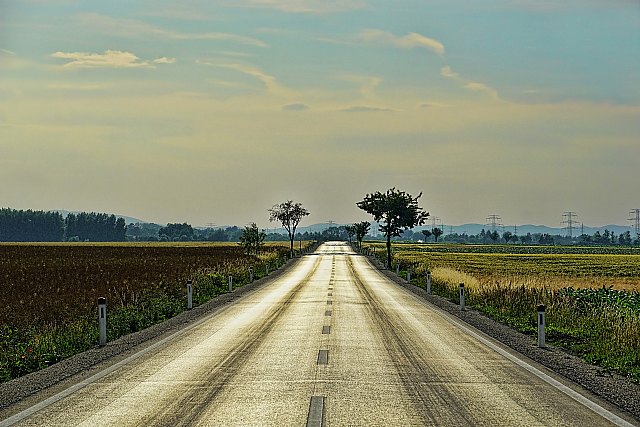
[
  {"x": 252, "y": 239},
  {"x": 361, "y": 228},
  {"x": 397, "y": 210},
  {"x": 437, "y": 232},
  {"x": 289, "y": 214},
  {"x": 507, "y": 235},
  {"x": 351, "y": 231}
]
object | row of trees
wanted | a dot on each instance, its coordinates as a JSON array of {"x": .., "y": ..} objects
[
  {"x": 31, "y": 226},
  {"x": 95, "y": 227},
  {"x": 40, "y": 226}
]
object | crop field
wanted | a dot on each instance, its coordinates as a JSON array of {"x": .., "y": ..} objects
[
  {"x": 48, "y": 292},
  {"x": 591, "y": 294}
]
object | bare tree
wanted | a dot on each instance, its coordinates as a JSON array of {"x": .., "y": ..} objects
[{"x": 289, "y": 214}]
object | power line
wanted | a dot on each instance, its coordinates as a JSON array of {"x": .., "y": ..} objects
[{"x": 570, "y": 221}]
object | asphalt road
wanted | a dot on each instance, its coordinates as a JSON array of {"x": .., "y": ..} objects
[{"x": 330, "y": 342}]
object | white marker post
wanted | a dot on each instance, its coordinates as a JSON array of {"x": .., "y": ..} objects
[
  {"x": 461, "y": 296},
  {"x": 397, "y": 269},
  {"x": 266, "y": 268},
  {"x": 250, "y": 274},
  {"x": 189, "y": 295},
  {"x": 409, "y": 275},
  {"x": 429, "y": 282},
  {"x": 230, "y": 283},
  {"x": 102, "y": 321},
  {"x": 541, "y": 326}
]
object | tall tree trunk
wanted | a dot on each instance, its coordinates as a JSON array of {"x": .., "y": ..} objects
[
  {"x": 292, "y": 238},
  {"x": 389, "y": 250}
]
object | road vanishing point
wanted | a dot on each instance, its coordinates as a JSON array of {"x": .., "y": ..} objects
[{"x": 329, "y": 342}]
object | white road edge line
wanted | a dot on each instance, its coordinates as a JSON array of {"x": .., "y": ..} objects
[
  {"x": 555, "y": 383},
  {"x": 535, "y": 371},
  {"x": 72, "y": 389}
]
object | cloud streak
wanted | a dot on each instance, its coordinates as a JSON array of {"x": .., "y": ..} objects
[
  {"x": 469, "y": 85},
  {"x": 136, "y": 28},
  {"x": 108, "y": 59},
  {"x": 317, "y": 7},
  {"x": 409, "y": 41},
  {"x": 270, "y": 83}
]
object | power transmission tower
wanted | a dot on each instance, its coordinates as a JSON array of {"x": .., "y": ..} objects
[
  {"x": 635, "y": 221},
  {"x": 570, "y": 221},
  {"x": 493, "y": 221},
  {"x": 210, "y": 225},
  {"x": 434, "y": 222}
]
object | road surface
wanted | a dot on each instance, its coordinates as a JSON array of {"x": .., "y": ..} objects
[{"x": 330, "y": 342}]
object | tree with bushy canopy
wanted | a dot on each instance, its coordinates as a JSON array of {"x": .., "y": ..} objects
[
  {"x": 289, "y": 214},
  {"x": 396, "y": 210}
]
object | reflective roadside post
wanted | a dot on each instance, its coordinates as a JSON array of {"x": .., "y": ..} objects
[
  {"x": 266, "y": 268},
  {"x": 541, "y": 326},
  {"x": 230, "y": 283},
  {"x": 250, "y": 274},
  {"x": 428, "y": 282},
  {"x": 189, "y": 295},
  {"x": 409, "y": 275},
  {"x": 461, "y": 296},
  {"x": 102, "y": 321}
]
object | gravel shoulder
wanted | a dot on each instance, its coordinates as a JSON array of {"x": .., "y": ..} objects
[{"x": 612, "y": 388}]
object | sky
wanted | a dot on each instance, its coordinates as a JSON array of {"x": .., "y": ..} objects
[{"x": 210, "y": 112}]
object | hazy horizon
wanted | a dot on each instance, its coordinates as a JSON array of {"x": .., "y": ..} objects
[{"x": 212, "y": 112}]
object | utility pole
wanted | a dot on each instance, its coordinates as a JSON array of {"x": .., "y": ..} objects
[
  {"x": 635, "y": 221},
  {"x": 570, "y": 221},
  {"x": 493, "y": 221}
]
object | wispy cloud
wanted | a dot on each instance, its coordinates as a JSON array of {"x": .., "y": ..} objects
[
  {"x": 448, "y": 72},
  {"x": 164, "y": 60},
  {"x": 270, "y": 82},
  {"x": 467, "y": 84},
  {"x": 409, "y": 41},
  {"x": 436, "y": 105},
  {"x": 78, "y": 86},
  {"x": 481, "y": 87},
  {"x": 368, "y": 84},
  {"x": 365, "y": 109},
  {"x": 295, "y": 107},
  {"x": 108, "y": 59},
  {"x": 135, "y": 28},
  {"x": 319, "y": 7}
]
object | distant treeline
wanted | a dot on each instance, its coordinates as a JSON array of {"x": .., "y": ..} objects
[
  {"x": 40, "y": 226},
  {"x": 607, "y": 238}
]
